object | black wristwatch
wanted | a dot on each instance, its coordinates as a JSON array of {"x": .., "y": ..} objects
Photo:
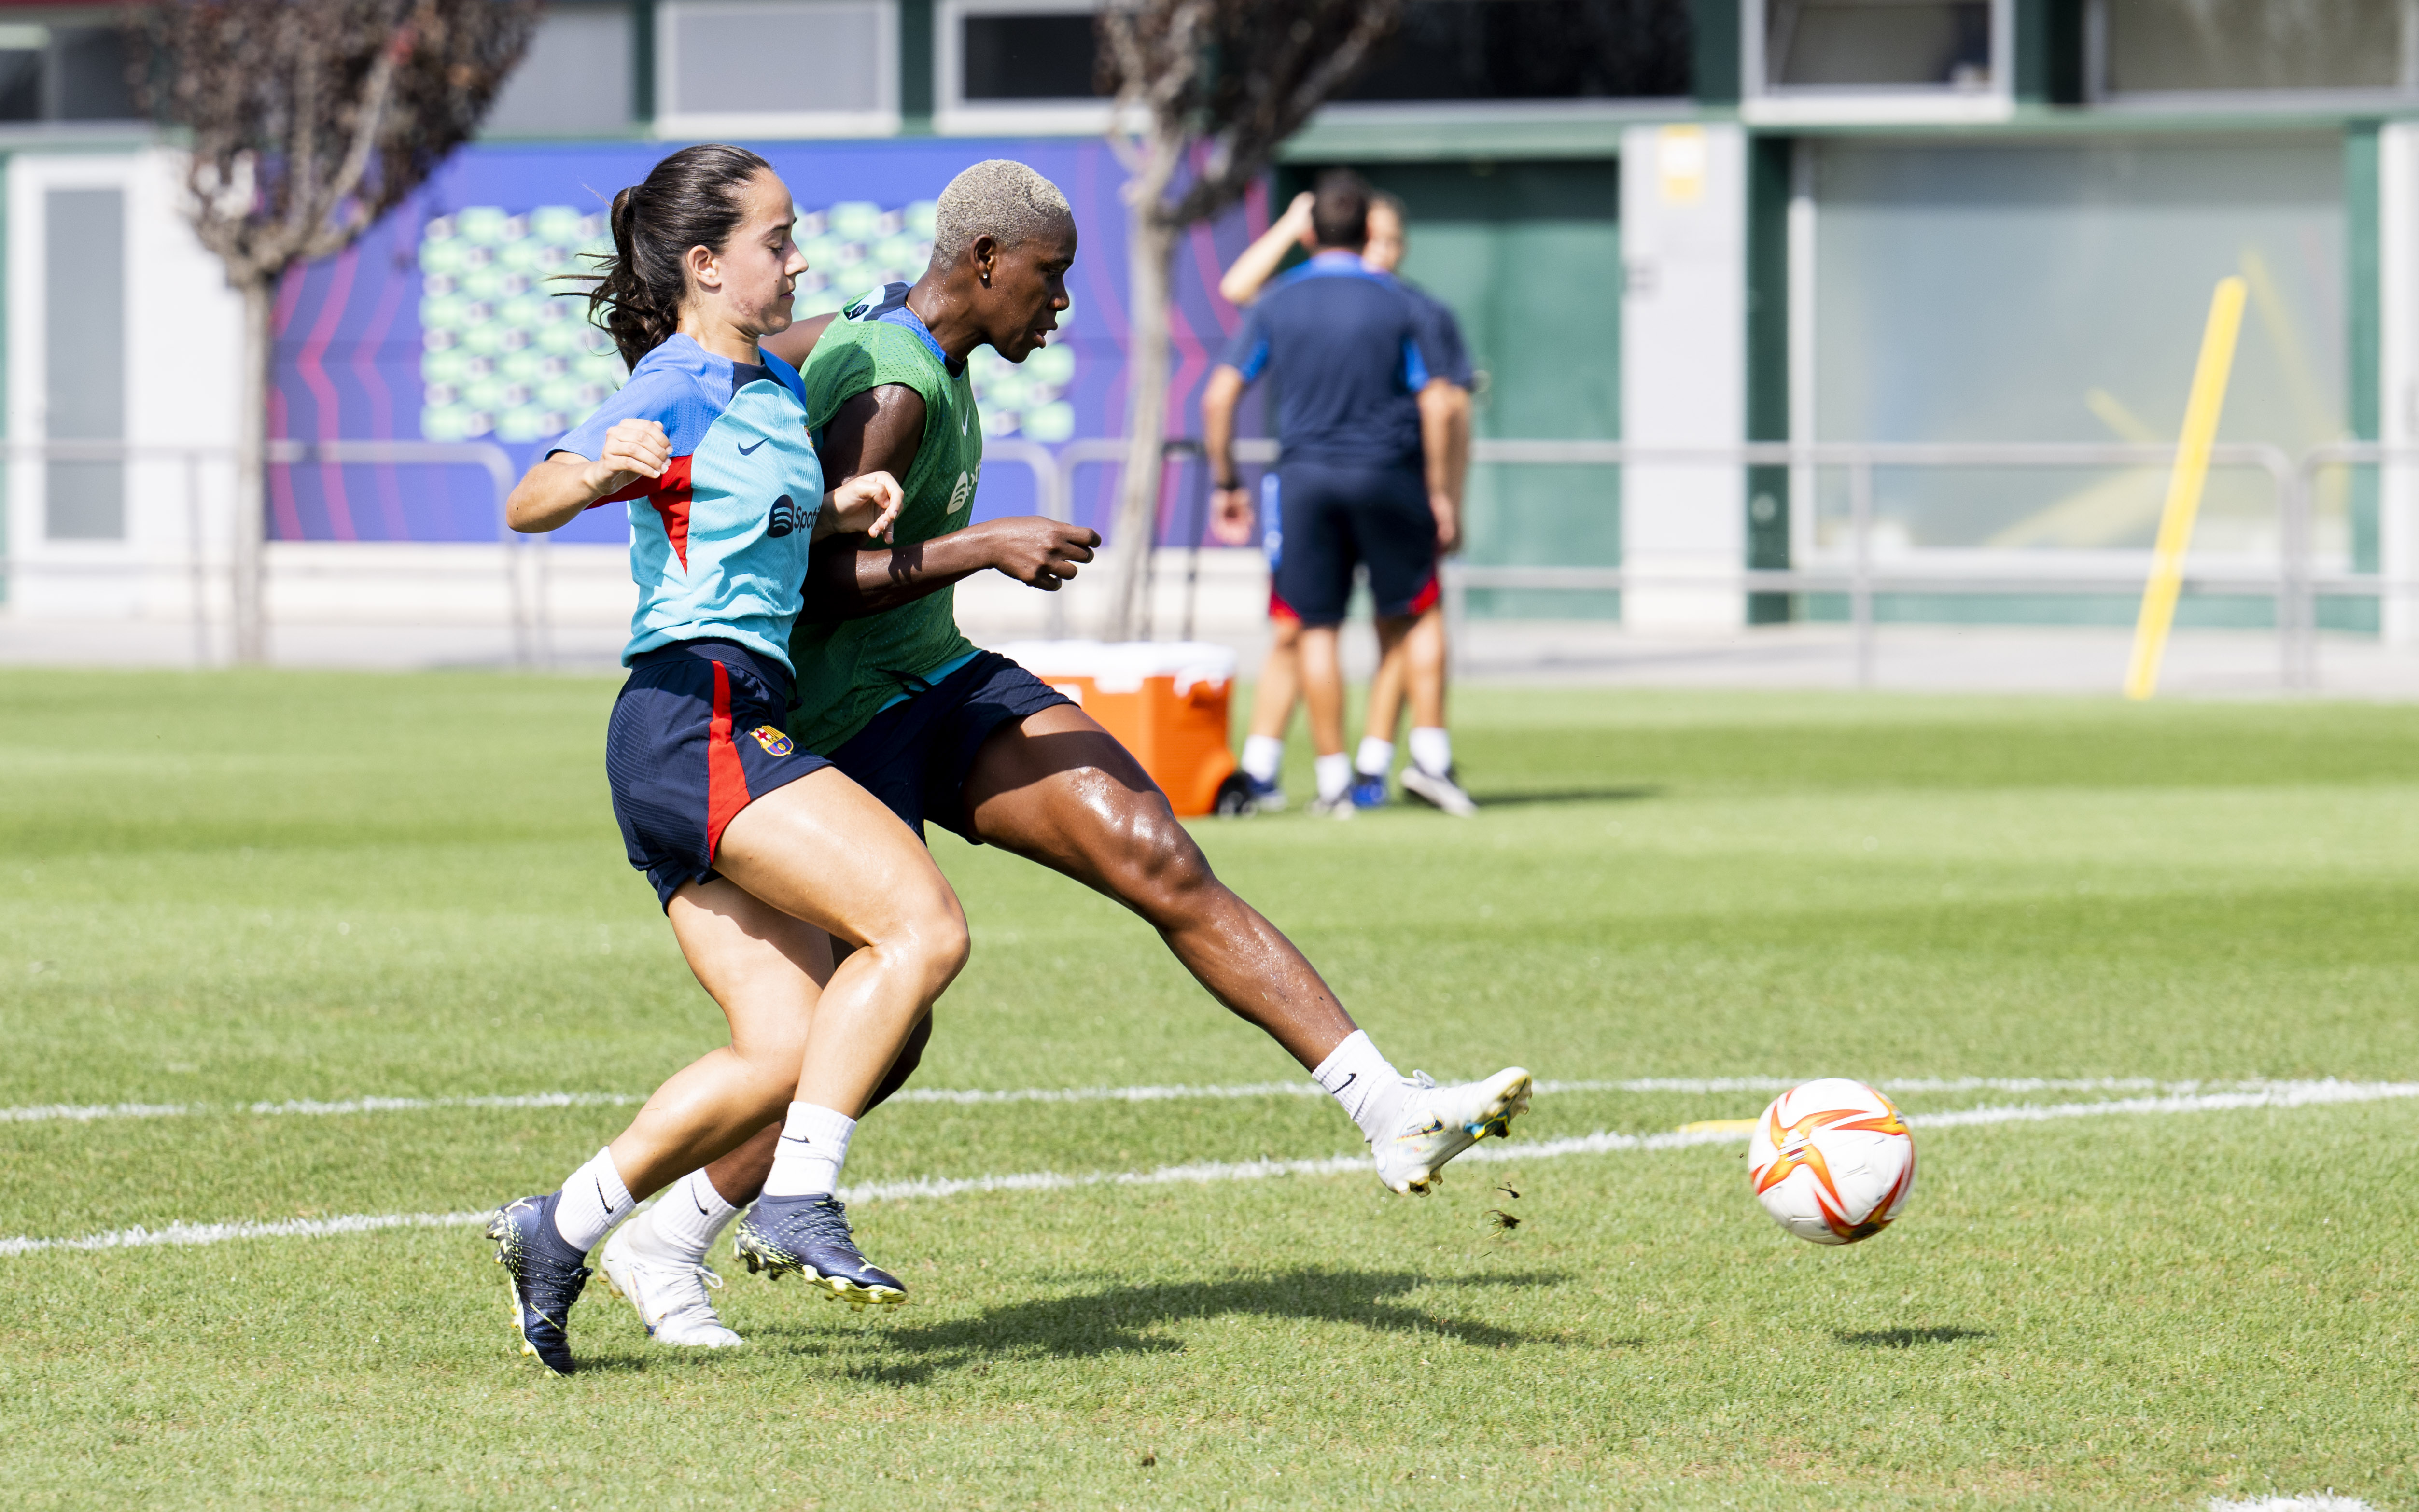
[{"x": 1229, "y": 485}]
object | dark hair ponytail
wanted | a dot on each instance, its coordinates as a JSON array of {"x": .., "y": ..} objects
[{"x": 691, "y": 199}]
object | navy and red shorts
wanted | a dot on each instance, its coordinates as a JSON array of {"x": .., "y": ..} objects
[
  {"x": 696, "y": 737},
  {"x": 915, "y": 755},
  {"x": 1338, "y": 517}
]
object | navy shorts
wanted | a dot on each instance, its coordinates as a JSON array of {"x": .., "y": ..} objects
[
  {"x": 1337, "y": 518},
  {"x": 696, "y": 737},
  {"x": 915, "y": 755}
]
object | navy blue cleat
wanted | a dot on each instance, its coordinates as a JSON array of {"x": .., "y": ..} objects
[
  {"x": 809, "y": 1236},
  {"x": 546, "y": 1275},
  {"x": 1368, "y": 792}
]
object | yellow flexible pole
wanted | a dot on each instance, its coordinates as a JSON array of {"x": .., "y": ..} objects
[{"x": 2184, "y": 486}]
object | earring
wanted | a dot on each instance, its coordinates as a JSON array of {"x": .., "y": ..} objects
[{"x": 986, "y": 278}]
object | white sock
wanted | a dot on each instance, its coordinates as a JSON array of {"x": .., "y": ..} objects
[
  {"x": 1377, "y": 757},
  {"x": 1262, "y": 757},
  {"x": 1368, "y": 1085},
  {"x": 814, "y": 1146},
  {"x": 594, "y": 1200},
  {"x": 685, "y": 1222},
  {"x": 1334, "y": 774},
  {"x": 1432, "y": 750}
]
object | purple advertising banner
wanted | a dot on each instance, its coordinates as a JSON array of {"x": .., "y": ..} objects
[{"x": 443, "y": 324}]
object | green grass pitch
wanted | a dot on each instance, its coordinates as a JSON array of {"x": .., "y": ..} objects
[{"x": 218, "y": 890}]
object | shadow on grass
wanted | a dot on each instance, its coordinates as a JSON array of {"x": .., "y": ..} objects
[
  {"x": 1507, "y": 800},
  {"x": 1115, "y": 1319},
  {"x": 1907, "y": 1338}
]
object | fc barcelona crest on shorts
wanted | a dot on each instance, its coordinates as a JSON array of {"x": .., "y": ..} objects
[{"x": 774, "y": 742}]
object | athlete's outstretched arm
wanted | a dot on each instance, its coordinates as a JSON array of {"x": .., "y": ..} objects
[
  {"x": 1259, "y": 261},
  {"x": 880, "y": 430}
]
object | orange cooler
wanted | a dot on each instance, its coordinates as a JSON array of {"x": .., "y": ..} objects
[{"x": 1165, "y": 701}]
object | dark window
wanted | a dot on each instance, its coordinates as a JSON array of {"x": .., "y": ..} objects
[
  {"x": 1532, "y": 49},
  {"x": 21, "y": 84},
  {"x": 1850, "y": 43},
  {"x": 91, "y": 64},
  {"x": 1028, "y": 57},
  {"x": 64, "y": 74}
]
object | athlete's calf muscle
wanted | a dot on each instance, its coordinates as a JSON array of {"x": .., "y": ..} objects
[{"x": 1058, "y": 789}]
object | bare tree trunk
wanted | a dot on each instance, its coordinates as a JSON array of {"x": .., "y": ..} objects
[
  {"x": 1151, "y": 242},
  {"x": 246, "y": 547}
]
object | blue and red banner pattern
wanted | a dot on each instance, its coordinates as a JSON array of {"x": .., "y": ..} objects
[{"x": 437, "y": 324}]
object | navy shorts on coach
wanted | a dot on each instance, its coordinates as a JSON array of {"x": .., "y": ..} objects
[
  {"x": 696, "y": 737},
  {"x": 915, "y": 755},
  {"x": 1340, "y": 517}
]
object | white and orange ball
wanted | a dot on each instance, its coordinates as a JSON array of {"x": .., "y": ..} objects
[{"x": 1832, "y": 1161}]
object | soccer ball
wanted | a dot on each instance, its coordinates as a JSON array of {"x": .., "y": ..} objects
[{"x": 1832, "y": 1161}]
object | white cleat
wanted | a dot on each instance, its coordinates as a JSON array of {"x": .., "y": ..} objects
[
  {"x": 1439, "y": 1122},
  {"x": 1439, "y": 792},
  {"x": 670, "y": 1296},
  {"x": 1339, "y": 807}
]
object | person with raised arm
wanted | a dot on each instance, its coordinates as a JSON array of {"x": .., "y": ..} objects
[{"x": 1417, "y": 662}]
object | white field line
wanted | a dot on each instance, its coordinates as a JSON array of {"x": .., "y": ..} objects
[
  {"x": 2276, "y": 1095},
  {"x": 2306, "y": 1502},
  {"x": 86, "y": 1113},
  {"x": 184, "y": 1233},
  {"x": 90, "y": 1112}
]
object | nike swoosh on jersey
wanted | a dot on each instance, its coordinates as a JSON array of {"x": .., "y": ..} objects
[{"x": 746, "y": 450}]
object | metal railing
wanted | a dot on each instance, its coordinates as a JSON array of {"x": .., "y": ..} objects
[
  {"x": 2382, "y": 585},
  {"x": 526, "y": 563},
  {"x": 1107, "y": 451},
  {"x": 2292, "y": 582},
  {"x": 526, "y": 620},
  {"x": 1858, "y": 578}
]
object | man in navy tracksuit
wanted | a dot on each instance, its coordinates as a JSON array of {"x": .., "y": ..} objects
[{"x": 1343, "y": 345}]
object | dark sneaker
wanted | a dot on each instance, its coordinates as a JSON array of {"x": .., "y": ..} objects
[
  {"x": 810, "y": 1235},
  {"x": 1266, "y": 797},
  {"x": 1368, "y": 792},
  {"x": 546, "y": 1275}
]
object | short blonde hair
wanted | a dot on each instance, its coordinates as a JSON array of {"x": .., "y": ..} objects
[{"x": 1000, "y": 198}]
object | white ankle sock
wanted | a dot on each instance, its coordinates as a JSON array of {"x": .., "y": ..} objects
[
  {"x": 1432, "y": 750},
  {"x": 1377, "y": 757},
  {"x": 1334, "y": 774},
  {"x": 1263, "y": 755},
  {"x": 594, "y": 1200},
  {"x": 685, "y": 1222},
  {"x": 1368, "y": 1085},
  {"x": 814, "y": 1146}
]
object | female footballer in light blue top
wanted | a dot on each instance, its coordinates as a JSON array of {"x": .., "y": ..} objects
[{"x": 756, "y": 848}]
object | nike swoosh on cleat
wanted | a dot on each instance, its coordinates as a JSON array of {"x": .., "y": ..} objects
[{"x": 747, "y": 451}]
